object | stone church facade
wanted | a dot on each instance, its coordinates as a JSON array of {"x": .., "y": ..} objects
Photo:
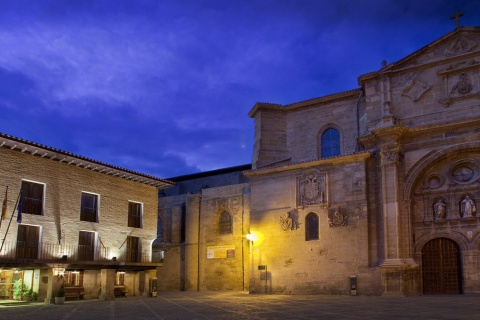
[{"x": 370, "y": 191}]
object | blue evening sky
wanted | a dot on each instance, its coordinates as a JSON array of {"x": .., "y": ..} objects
[{"x": 164, "y": 87}]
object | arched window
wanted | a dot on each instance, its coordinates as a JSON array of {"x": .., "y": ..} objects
[
  {"x": 330, "y": 143},
  {"x": 311, "y": 223},
  {"x": 225, "y": 226}
]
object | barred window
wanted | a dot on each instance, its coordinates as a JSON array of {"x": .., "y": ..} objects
[
  {"x": 311, "y": 223},
  {"x": 225, "y": 226}
]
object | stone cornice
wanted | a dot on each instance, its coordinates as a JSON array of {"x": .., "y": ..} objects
[
  {"x": 353, "y": 94},
  {"x": 356, "y": 157}
]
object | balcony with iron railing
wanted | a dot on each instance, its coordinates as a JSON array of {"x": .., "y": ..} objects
[{"x": 50, "y": 252}]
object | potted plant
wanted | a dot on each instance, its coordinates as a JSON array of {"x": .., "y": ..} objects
[
  {"x": 60, "y": 297},
  {"x": 27, "y": 294},
  {"x": 17, "y": 289}
]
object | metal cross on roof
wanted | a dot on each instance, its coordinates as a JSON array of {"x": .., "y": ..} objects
[{"x": 457, "y": 16}]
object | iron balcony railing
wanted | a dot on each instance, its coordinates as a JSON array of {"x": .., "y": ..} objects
[{"x": 49, "y": 252}]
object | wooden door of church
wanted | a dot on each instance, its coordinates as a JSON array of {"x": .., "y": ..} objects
[{"x": 441, "y": 270}]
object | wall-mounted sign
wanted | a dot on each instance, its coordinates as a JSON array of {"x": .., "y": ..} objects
[
  {"x": 220, "y": 252},
  {"x": 262, "y": 267}
]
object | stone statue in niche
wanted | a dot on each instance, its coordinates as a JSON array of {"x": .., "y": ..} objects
[
  {"x": 336, "y": 217},
  {"x": 439, "y": 209},
  {"x": 467, "y": 207},
  {"x": 312, "y": 188},
  {"x": 289, "y": 220}
]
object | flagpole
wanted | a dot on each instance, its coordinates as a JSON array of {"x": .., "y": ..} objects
[
  {"x": 13, "y": 212},
  {"x": 4, "y": 206}
]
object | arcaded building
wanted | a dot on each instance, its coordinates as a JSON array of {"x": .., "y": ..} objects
[
  {"x": 370, "y": 191},
  {"x": 76, "y": 222}
]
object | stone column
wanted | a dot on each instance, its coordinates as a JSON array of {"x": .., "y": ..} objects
[
  {"x": 400, "y": 273},
  {"x": 390, "y": 161},
  {"x": 107, "y": 283}
]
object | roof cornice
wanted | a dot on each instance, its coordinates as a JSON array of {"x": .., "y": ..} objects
[{"x": 35, "y": 149}]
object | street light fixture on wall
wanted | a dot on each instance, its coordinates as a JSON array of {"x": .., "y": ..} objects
[{"x": 252, "y": 237}]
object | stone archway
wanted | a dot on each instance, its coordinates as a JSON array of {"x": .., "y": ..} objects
[{"x": 441, "y": 267}]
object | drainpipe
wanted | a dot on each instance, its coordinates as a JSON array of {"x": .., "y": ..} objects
[{"x": 198, "y": 240}]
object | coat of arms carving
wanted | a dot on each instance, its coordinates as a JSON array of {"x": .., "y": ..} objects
[
  {"x": 337, "y": 217},
  {"x": 289, "y": 221},
  {"x": 312, "y": 188}
]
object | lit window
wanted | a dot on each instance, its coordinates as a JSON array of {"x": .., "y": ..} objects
[
  {"x": 330, "y": 143},
  {"x": 311, "y": 222}
]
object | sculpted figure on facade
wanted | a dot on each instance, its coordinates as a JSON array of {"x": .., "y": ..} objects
[
  {"x": 467, "y": 207},
  {"x": 439, "y": 209}
]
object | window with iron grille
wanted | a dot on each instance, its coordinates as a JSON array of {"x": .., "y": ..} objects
[
  {"x": 89, "y": 207},
  {"x": 32, "y": 197},
  {"x": 225, "y": 226},
  {"x": 330, "y": 143},
  {"x": 311, "y": 230},
  {"x": 135, "y": 214}
]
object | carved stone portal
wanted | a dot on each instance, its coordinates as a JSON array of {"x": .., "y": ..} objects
[{"x": 311, "y": 188}]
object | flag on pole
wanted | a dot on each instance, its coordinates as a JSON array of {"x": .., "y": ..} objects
[
  {"x": 19, "y": 207},
  {"x": 4, "y": 206}
]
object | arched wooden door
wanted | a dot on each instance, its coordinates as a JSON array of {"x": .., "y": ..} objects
[{"x": 441, "y": 269}]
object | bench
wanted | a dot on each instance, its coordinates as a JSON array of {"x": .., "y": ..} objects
[
  {"x": 119, "y": 293},
  {"x": 75, "y": 293}
]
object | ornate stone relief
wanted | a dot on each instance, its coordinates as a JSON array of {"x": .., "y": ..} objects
[
  {"x": 463, "y": 86},
  {"x": 390, "y": 156},
  {"x": 311, "y": 188},
  {"x": 289, "y": 221},
  {"x": 433, "y": 181},
  {"x": 414, "y": 88},
  {"x": 457, "y": 82},
  {"x": 459, "y": 46},
  {"x": 463, "y": 172},
  {"x": 337, "y": 217}
]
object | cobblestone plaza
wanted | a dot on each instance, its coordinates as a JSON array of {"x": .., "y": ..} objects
[{"x": 239, "y": 305}]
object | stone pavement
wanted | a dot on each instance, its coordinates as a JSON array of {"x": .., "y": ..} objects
[{"x": 239, "y": 305}]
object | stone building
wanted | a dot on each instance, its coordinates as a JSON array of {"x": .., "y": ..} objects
[
  {"x": 369, "y": 191},
  {"x": 82, "y": 223}
]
